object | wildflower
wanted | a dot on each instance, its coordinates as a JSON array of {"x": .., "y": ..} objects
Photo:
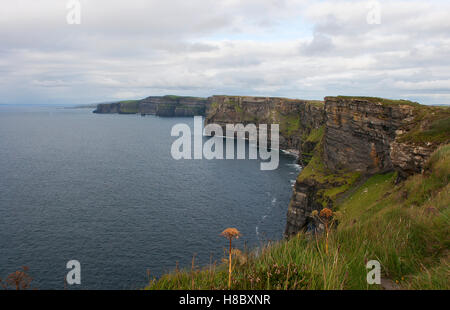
[
  {"x": 230, "y": 234},
  {"x": 325, "y": 216},
  {"x": 19, "y": 280},
  {"x": 325, "y": 212}
]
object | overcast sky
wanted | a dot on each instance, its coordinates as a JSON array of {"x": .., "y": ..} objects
[{"x": 294, "y": 48}]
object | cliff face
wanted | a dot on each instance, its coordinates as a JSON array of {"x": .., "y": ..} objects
[
  {"x": 340, "y": 143},
  {"x": 359, "y": 133},
  {"x": 157, "y": 105},
  {"x": 364, "y": 136},
  {"x": 121, "y": 107},
  {"x": 297, "y": 118},
  {"x": 107, "y": 108},
  {"x": 173, "y": 106}
]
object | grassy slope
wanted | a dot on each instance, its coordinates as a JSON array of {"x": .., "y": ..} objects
[
  {"x": 431, "y": 125},
  {"x": 403, "y": 226}
]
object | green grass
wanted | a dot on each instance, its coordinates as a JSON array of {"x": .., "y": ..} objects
[
  {"x": 289, "y": 124},
  {"x": 383, "y": 101},
  {"x": 404, "y": 227},
  {"x": 432, "y": 125},
  {"x": 175, "y": 97},
  {"x": 316, "y": 134},
  {"x": 129, "y": 106},
  {"x": 316, "y": 103},
  {"x": 330, "y": 184},
  {"x": 171, "y": 97},
  {"x": 317, "y": 172}
]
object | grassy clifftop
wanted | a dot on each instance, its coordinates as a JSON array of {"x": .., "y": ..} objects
[
  {"x": 431, "y": 125},
  {"x": 383, "y": 101},
  {"x": 403, "y": 226}
]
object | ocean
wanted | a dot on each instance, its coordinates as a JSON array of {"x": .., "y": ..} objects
[{"x": 104, "y": 189}]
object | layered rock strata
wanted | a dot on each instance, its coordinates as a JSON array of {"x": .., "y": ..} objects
[{"x": 364, "y": 136}]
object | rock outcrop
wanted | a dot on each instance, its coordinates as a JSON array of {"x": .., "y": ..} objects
[{"x": 409, "y": 158}]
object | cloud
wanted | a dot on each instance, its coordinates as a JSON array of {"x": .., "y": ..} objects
[
  {"x": 291, "y": 48},
  {"x": 320, "y": 44}
]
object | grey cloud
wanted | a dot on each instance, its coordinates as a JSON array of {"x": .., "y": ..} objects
[
  {"x": 319, "y": 45},
  {"x": 138, "y": 48}
]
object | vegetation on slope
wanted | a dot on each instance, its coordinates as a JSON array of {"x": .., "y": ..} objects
[
  {"x": 289, "y": 124},
  {"x": 383, "y": 101},
  {"x": 129, "y": 106},
  {"x": 430, "y": 125},
  {"x": 329, "y": 184},
  {"x": 404, "y": 227}
]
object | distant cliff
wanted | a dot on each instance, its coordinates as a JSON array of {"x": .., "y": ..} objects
[
  {"x": 157, "y": 105},
  {"x": 173, "y": 106},
  {"x": 300, "y": 121}
]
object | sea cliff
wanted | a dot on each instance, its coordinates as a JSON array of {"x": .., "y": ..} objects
[
  {"x": 169, "y": 105},
  {"x": 364, "y": 136},
  {"x": 341, "y": 141},
  {"x": 299, "y": 120},
  {"x": 381, "y": 166}
]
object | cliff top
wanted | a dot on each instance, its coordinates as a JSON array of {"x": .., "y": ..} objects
[
  {"x": 176, "y": 97},
  {"x": 378, "y": 100},
  {"x": 256, "y": 98}
]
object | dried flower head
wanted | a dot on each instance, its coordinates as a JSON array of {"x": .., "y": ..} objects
[
  {"x": 314, "y": 213},
  {"x": 231, "y": 233},
  {"x": 327, "y": 213},
  {"x": 19, "y": 280}
]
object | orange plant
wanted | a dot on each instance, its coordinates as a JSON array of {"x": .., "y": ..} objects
[
  {"x": 327, "y": 218},
  {"x": 230, "y": 234},
  {"x": 19, "y": 280}
]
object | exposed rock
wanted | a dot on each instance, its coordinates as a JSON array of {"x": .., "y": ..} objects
[
  {"x": 297, "y": 118},
  {"x": 106, "y": 108},
  {"x": 409, "y": 158},
  {"x": 302, "y": 203},
  {"x": 359, "y": 133},
  {"x": 173, "y": 106},
  {"x": 347, "y": 138},
  {"x": 367, "y": 135},
  {"x": 158, "y": 105}
]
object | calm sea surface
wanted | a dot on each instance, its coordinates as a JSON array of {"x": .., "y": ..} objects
[{"x": 104, "y": 190}]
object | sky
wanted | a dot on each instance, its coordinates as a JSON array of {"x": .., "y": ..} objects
[{"x": 287, "y": 48}]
